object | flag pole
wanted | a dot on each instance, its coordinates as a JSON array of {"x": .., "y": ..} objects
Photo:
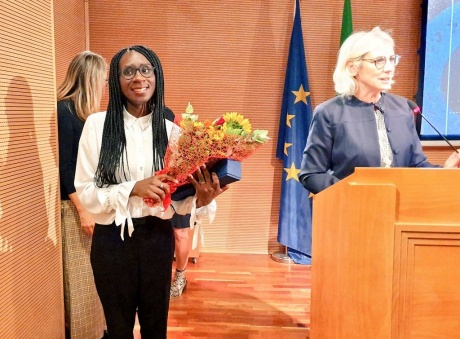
[
  {"x": 281, "y": 257},
  {"x": 294, "y": 224}
]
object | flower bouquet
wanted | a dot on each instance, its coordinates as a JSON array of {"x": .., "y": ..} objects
[{"x": 193, "y": 143}]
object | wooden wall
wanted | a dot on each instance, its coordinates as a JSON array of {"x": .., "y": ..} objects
[
  {"x": 70, "y": 36},
  {"x": 31, "y": 298},
  {"x": 226, "y": 56},
  {"x": 220, "y": 56},
  {"x": 231, "y": 56}
]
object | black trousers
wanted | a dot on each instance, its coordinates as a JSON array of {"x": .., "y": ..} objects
[{"x": 134, "y": 273}]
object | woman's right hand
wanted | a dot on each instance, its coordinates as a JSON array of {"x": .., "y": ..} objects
[
  {"x": 87, "y": 222},
  {"x": 154, "y": 187}
]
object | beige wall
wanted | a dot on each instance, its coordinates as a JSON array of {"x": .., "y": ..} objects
[
  {"x": 69, "y": 33},
  {"x": 231, "y": 56},
  {"x": 31, "y": 300},
  {"x": 225, "y": 56},
  {"x": 222, "y": 56}
]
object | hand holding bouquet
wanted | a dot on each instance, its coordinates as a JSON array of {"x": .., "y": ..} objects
[{"x": 194, "y": 143}]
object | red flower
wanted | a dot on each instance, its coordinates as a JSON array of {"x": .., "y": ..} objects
[{"x": 219, "y": 122}]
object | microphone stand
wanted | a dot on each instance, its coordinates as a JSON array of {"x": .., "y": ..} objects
[{"x": 445, "y": 139}]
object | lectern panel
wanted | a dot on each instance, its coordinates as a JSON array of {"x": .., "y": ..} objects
[{"x": 428, "y": 300}]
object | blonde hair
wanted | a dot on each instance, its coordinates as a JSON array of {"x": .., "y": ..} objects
[
  {"x": 84, "y": 83},
  {"x": 353, "y": 49}
]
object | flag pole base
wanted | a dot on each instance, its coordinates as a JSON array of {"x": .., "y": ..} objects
[{"x": 282, "y": 258}]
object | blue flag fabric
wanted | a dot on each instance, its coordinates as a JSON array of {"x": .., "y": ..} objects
[{"x": 294, "y": 227}]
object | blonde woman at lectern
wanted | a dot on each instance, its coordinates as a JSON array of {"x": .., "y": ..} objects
[{"x": 364, "y": 125}]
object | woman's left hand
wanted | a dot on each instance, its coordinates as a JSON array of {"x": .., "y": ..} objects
[
  {"x": 453, "y": 161},
  {"x": 207, "y": 186}
]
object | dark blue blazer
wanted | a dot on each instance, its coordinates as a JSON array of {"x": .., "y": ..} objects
[{"x": 343, "y": 135}]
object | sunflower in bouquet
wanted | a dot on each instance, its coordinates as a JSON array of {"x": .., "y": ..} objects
[
  {"x": 193, "y": 143},
  {"x": 228, "y": 137},
  {"x": 233, "y": 137}
]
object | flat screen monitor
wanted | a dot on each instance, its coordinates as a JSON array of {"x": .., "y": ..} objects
[{"x": 440, "y": 70}]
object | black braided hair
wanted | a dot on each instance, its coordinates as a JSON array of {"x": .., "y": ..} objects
[{"x": 113, "y": 149}]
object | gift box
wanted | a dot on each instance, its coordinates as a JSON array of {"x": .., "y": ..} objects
[{"x": 227, "y": 171}]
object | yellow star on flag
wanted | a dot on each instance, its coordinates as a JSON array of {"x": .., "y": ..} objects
[
  {"x": 301, "y": 95},
  {"x": 293, "y": 173},
  {"x": 288, "y": 119},
  {"x": 286, "y": 145}
]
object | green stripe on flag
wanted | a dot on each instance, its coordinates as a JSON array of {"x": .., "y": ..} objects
[{"x": 347, "y": 22}]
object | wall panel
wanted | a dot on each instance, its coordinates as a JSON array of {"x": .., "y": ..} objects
[
  {"x": 31, "y": 299},
  {"x": 69, "y": 33},
  {"x": 231, "y": 56}
]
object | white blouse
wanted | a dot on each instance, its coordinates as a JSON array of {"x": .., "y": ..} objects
[
  {"x": 113, "y": 203},
  {"x": 386, "y": 154}
]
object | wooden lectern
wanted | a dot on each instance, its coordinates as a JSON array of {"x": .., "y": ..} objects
[{"x": 386, "y": 255}]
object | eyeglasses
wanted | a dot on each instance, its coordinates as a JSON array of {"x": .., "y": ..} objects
[
  {"x": 129, "y": 71},
  {"x": 380, "y": 62}
]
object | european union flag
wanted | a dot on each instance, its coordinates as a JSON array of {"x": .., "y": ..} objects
[{"x": 294, "y": 227}]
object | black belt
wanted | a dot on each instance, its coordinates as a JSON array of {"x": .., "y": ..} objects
[{"x": 143, "y": 221}]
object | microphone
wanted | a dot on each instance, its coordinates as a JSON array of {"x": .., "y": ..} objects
[{"x": 417, "y": 111}]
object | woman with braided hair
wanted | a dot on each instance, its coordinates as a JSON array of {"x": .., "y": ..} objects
[{"x": 119, "y": 153}]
